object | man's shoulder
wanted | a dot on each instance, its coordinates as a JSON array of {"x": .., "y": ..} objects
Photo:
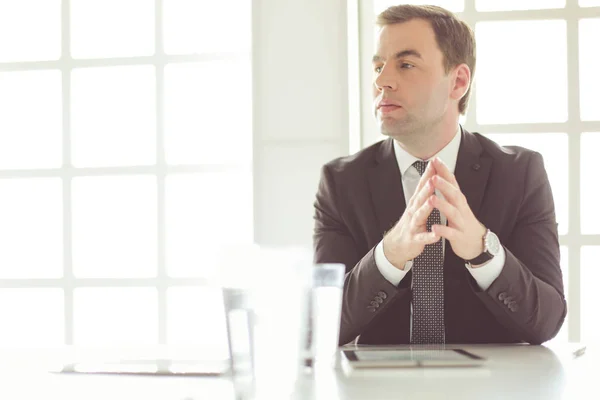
[
  {"x": 508, "y": 153},
  {"x": 358, "y": 161}
]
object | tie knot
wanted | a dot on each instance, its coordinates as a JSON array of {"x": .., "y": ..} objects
[{"x": 420, "y": 166}]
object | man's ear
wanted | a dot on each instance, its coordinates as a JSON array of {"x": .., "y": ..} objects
[{"x": 461, "y": 82}]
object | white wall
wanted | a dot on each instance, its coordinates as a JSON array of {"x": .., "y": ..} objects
[{"x": 300, "y": 100}]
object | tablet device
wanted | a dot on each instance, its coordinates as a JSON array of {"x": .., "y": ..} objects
[{"x": 385, "y": 358}]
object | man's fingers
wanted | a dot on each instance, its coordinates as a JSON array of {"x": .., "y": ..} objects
[
  {"x": 421, "y": 196},
  {"x": 450, "y": 192},
  {"x": 429, "y": 172},
  {"x": 426, "y": 237},
  {"x": 451, "y": 212},
  {"x": 446, "y": 232},
  {"x": 444, "y": 172},
  {"x": 421, "y": 215}
]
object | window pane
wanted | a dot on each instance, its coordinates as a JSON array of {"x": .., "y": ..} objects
[
  {"x": 590, "y": 303},
  {"x": 112, "y": 28},
  {"x": 30, "y": 119},
  {"x": 194, "y": 26},
  {"x": 114, "y": 226},
  {"x": 31, "y": 228},
  {"x": 552, "y": 146},
  {"x": 521, "y": 72},
  {"x": 452, "y": 5},
  {"x": 30, "y": 30},
  {"x": 204, "y": 123},
  {"x": 589, "y": 3},
  {"x": 113, "y": 116},
  {"x": 590, "y": 193},
  {"x": 589, "y": 65},
  {"x": 115, "y": 316},
  {"x": 32, "y": 317},
  {"x": 507, "y": 5},
  {"x": 202, "y": 326},
  {"x": 203, "y": 211}
]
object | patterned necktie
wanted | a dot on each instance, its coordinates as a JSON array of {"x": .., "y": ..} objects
[{"x": 428, "y": 286}]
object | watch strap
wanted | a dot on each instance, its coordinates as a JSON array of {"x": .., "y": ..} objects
[{"x": 480, "y": 259}]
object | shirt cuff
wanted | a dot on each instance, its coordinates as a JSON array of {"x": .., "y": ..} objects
[
  {"x": 392, "y": 274},
  {"x": 487, "y": 273}
]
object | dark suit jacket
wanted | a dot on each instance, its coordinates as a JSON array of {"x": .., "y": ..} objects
[{"x": 360, "y": 197}]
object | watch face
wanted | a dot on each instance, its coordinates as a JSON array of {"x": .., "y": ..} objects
[{"x": 492, "y": 243}]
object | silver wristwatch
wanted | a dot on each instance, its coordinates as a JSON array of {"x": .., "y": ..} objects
[{"x": 491, "y": 248}]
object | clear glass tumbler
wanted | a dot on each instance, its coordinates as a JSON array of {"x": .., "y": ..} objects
[
  {"x": 325, "y": 313},
  {"x": 266, "y": 308}
]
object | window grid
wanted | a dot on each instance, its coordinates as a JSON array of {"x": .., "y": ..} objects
[
  {"x": 574, "y": 134},
  {"x": 574, "y": 127},
  {"x": 161, "y": 272},
  {"x": 160, "y": 170}
]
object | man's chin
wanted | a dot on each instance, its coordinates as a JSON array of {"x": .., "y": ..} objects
[{"x": 393, "y": 130}]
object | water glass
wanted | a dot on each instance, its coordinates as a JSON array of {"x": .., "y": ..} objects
[
  {"x": 265, "y": 297},
  {"x": 325, "y": 313}
]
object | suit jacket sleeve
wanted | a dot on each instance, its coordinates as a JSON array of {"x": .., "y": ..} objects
[
  {"x": 528, "y": 296},
  {"x": 366, "y": 292}
]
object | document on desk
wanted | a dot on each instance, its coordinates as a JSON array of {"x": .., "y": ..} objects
[{"x": 148, "y": 367}]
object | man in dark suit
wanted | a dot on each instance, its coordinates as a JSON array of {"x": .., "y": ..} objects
[{"x": 446, "y": 236}]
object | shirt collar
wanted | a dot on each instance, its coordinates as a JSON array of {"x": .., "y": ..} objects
[{"x": 448, "y": 154}]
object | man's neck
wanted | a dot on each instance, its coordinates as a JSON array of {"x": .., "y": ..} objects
[{"x": 430, "y": 144}]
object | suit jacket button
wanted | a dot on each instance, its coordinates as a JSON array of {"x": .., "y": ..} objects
[
  {"x": 378, "y": 299},
  {"x": 374, "y": 304},
  {"x": 382, "y": 294},
  {"x": 502, "y": 296},
  {"x": 372, "y": 309},
  {"x": 513, "y": 306}
]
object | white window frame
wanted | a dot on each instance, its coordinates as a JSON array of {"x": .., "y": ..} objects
[{"x": 160, "y": 170}]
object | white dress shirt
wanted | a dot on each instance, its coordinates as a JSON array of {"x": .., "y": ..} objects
[{"x": 484, "y": 275}]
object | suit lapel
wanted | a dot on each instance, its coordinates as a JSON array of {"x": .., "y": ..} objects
[
  {"x": 472, "y": 170},
  {"x": 385, "y": 184}
]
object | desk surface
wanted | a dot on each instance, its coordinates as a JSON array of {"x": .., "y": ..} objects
[{"x": 512, "y": 372}]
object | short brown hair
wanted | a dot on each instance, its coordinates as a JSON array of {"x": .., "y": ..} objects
[{"x": 454, "y": 37}]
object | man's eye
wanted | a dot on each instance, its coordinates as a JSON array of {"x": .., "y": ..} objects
[
  {"x": 407, "y": 66},
  {"x": 378, "y": 69}
]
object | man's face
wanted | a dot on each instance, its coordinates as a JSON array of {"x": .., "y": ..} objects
[{"x": 411, "y": 90}]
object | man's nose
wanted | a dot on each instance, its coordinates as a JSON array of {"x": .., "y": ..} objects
[{"x": 385, "y": 80}]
